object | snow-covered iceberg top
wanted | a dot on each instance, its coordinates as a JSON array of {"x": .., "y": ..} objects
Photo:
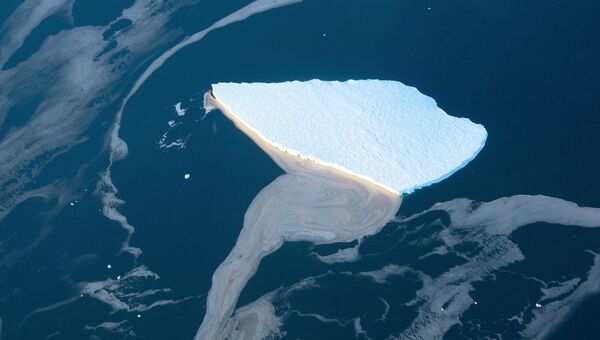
[{"x": 382, "y": 131}]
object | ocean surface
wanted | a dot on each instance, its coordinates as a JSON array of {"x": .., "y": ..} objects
[{"x": 102, "y": 236}]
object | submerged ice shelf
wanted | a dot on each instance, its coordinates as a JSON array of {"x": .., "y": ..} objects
[{"x": 382, "y": 131}]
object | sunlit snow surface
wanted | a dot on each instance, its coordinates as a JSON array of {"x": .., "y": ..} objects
[{"x": 384, "y": 131}]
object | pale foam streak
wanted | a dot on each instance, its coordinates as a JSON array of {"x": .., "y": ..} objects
[
  {"x": 341, "y": 256},
  {"x": 46, "y": 309},
  {"x": 321, "y": 318},
  {"x": 555, "y": 290},
  {"x": 256, "y": 320},
  {"x": 550, "y": 316},
  {"x": 110, "y": 203},
  {"x": 358, "y": 329},
  {"x": 121, "y": 328},
  {"x": 24, "y": 20},
  {"x": 381, "y": 275},
  {"x": 504, "y": 215},
  {"x": 75, "y": 77},
  {"x": 442, "y": 300},
  {"x": 386, "y": 311},
  {"x": 319, "y": 208},
  {"x": 116, "y": 292}
]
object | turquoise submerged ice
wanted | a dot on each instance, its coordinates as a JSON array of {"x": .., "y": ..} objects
[{"x": 384, "y": 131}]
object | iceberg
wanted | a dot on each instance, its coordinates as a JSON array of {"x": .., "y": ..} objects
[
  {"x": 349, "y": 151},
  {"x": 383, "y": 132}
]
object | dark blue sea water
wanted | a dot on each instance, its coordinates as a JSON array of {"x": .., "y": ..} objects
[{"x": 527, "y": 71}]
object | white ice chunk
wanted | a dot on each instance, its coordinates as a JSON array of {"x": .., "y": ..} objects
[
  {"x": 186, "y": 176},
  {"x": 383, "y": 131},
  {"x": 108, "y": 266},
  {"x": 179, "y": 110}
]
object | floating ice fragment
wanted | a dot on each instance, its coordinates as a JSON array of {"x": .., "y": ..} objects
[
  {"x": 537, "y": 305},
  {"x": 179, "y": 110},
  {"x": 381, "y": 131},
  {"x": 474, "y": 302},
  {"x": 108, "y": 266},
  {"x": 186, "y": 176},
  {"x": 139, "y": 315},
  {"x": 119, "y": 277},
  {"x": 72, "y": 204},
  {"x": 324, "y": 34},
  {"x": 171, "y": 123}
]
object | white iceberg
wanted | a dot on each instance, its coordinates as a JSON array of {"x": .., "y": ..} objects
[
  {"x": 381, "y": 131},
  {"x": 349, "y": 150}
]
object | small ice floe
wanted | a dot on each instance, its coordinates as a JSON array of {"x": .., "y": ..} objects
[
  {"x": 324, "y": 34},
  {"x": 139, "y": 315},
  {"x": 428, "y": 8},
  {"x": 537, "y": 305},
  {"x": 119, "y": 277},
  {"x": 72, "y": 203},
  {"x": 171, "y": 123},
  {"x": 180, "y": 111},
  {"x": 81, "y": 295},
  {"x": 108, "y": 266},
  {"x": 474, "y": 302},
  {"x": 442, "y": 309},
  {"x": 186, "y": 176}
]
